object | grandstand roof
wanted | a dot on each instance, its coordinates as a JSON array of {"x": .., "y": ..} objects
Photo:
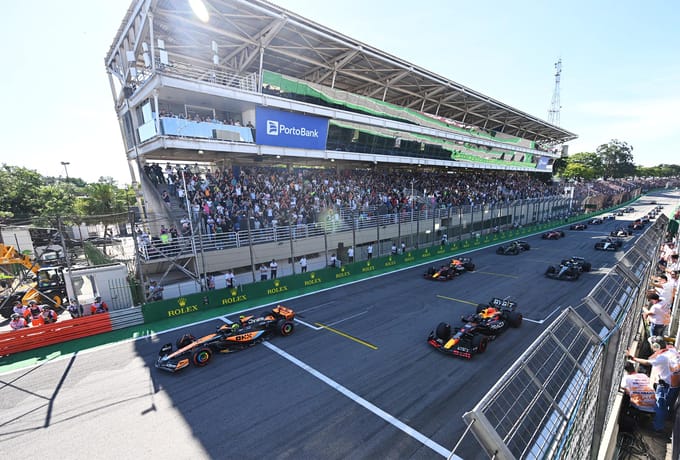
[{"x": 300, "y": 48}]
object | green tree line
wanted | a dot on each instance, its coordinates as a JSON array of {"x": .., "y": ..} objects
[
  {"x": 611, "y": 160},
  {"x": 30, "y": 198}
]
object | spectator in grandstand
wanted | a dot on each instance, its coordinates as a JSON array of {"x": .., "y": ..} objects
[
  {"x": 17, "y": 322},
  {"x": 98, "y": 306},
  {"x": 657, "y": 314},
  {"x": 229, "y": 279},
  {"x": 638, "y": 388}
]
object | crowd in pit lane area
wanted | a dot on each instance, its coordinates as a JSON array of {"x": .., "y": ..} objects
[
  {"x": 280, "y": 196},
  {"x": 651, "y": 390},
  {"x": 33, "y": 314}
]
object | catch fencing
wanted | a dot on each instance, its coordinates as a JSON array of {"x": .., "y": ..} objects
[{"x": 555, "y": 399}]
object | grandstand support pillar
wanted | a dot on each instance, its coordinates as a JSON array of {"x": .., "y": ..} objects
[
  {"x": 472, "y": 220},
  {"x": 418, "y": 232},
  {"x": 292, "y": 252},
  {"x": 325, "y": 244},
  {"x": 138, "y": 262},
  {"x": 250, "y": 245},
  {"x": 354, "y": 232},
  {"x": 434, "y": 225},
  {"x": 260, "y": 80},
  {"x": 377, "y": 233}
]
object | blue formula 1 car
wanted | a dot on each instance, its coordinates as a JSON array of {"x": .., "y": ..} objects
[{"x": 472, "y": 338}]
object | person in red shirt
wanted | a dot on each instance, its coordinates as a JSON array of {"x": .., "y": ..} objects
[
  {"x": 48, "y": 315},
  {"x": 98, "y": 306}
]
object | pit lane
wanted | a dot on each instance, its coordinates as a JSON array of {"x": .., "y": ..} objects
[{"x": 319, "y": 393}]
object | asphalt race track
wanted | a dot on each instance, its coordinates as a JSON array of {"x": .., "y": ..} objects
[{"x": 357, "y": 379}]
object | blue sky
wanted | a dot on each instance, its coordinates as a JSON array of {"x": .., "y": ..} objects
[{"x": 620, "y": 69}]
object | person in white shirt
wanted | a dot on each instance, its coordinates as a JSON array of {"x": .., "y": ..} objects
[
  {"x": 303, "y": 264},
  {"x": 229, "y": 278},
  {"x": 350, "y": 254}
]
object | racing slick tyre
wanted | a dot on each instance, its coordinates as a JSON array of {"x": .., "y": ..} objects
[
  {"x": 587, "y": 266},
  {"x": 550, "y": 270},
  {"x": 514, "y": 318},
  {"x": 285, "y": 327},
  {"x": 500, "y": 250},
  {"x": 202, "y": 356},
  {"x": 185, "y": 340},
  {"x": 443, "y": 331},
  {"x": 480, "y": 342},
  {"x": 469, "y": 267}
]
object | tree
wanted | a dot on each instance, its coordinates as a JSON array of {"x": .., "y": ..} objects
[
  {"x": 583, "y": 165},
  {"x": 19, "y": 190},
  {"x": 105, "y": 203},
  {"x": 617, "y": 159}
]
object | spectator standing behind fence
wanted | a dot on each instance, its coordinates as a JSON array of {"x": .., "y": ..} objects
[
  {"x": 664, "y": 363},
  {"x": 263, "y": 272},
  {"x": 369, "y": 251},
  {"x": 229, "y": 278},
  {"x": 155, "y": 291},
  {"x": 303, "y": 264},
  {"x": 211, "y": 282},
  {"x": 17, "y": 322},
  {"x": 658, "y": 314},
  {"x": 350, "y": 254},
  {"x": 98, "y": 306},
  {"x": 273, "y": 268},
  {"x": 638, "y": 387},
  {"x": 49, "y": 316},
  {"x": 75, "y": 309}
]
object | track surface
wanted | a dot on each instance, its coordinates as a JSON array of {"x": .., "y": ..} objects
[{"x": 356, "y": 380}]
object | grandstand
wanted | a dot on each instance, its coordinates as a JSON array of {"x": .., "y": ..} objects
[{"x": 185, "y": 88}]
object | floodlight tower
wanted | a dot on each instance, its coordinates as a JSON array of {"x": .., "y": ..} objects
[{"x": 554, "y": 112}]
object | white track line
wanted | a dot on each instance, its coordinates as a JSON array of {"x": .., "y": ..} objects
[{"x": 441, "y": 450}]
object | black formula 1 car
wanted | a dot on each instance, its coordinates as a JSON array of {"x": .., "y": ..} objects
[
  {"x": 569, "y": 269},
  {"x": 580, "y": 226},
  {"x": 609, "y": 244},
  {"x": 250, "y": 330},
  {"x": 478, "y": 330},
  {"x": 456, "y": 267},
  {"x": 513, "y": 248},
  {"x": 553, "y": 235},
  {"x": 620, "y": 232}
]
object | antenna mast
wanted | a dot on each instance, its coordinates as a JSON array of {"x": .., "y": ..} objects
[{"x": 555, "y": 106}]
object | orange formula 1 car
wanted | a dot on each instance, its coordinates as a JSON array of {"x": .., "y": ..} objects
[{"x": 247, "y": 332}]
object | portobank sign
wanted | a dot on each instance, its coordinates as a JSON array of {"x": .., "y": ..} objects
[{"x": 287, "y": 129}]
